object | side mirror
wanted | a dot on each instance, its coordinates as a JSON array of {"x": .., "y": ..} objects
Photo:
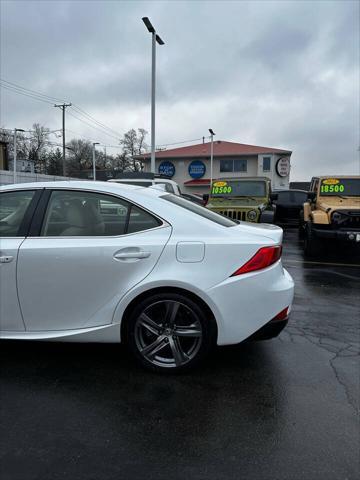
[
  {"x": 206, "y": 197},
  {"x": 311, "y": 196},
  {"x": 274, "y": 196}
]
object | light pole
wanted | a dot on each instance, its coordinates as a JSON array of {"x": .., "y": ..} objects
[
  {"x": 211, "y": 154},
  {"x": 94, "y": 160},
  {"x": 15, "y": 135},
  {"x": 155, "y": 38}
]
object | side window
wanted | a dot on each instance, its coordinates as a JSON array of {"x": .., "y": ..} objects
[
  {"x": 140, "y": 220},
  {"x": 78, "y": 214},
  {"x": 89, "y": 214},
  {"x": 315, "y": 185},
  {"x": 13, "y": 206}
]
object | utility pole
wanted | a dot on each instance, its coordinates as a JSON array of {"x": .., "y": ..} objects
[
  {"x": 94, "y": 160},
  {"x": 15, "y": 132},
  {"x": 63, "y": 107}
]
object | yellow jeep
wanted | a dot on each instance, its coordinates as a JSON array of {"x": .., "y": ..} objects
[{"x": 331, "y": 212}]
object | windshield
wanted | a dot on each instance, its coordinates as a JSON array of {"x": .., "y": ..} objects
[
  {"x": 343, "y": 187},
  {"x": 238, "y": 188}
]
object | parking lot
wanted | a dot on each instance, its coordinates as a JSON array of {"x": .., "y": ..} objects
[{"x": 284, "y": 409}]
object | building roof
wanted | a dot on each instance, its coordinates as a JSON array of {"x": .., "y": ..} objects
[{"x": 221, "y": 149}]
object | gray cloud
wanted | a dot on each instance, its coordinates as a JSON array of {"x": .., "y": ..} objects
[{"x": 270, "y": 73}]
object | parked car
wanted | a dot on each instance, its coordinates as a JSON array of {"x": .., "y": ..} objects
[
  {"x": 332, "y": 212},
  {"x": 147, "y": 180},
  {"x": 163, "y": 275},
  {"x": 193, "y": 198},
  {"x": 248, "y": 199},
  {"x": 289, "y": 204}
]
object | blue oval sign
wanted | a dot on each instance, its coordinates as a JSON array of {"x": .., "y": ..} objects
[
  {"x": 167, "y": 168},
  {"x": 197, "y": 169}
]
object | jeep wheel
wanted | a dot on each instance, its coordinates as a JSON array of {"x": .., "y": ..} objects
[{"x": 311, "y": 243}]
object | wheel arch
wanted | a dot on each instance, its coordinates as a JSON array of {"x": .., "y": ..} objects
[{"x": 166, "y": 289}]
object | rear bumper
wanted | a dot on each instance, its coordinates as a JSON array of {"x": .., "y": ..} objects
[
  {"x": 344, "y": 235},
  {"x": 270, "y": 330},
  {"x": 246, "y": 303}
]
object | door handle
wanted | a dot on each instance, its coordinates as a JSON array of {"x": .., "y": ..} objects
[
  {"x": 6, "y": 259},
  {"x": 132, "y": 255}
]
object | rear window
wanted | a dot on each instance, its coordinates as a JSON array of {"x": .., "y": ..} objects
[
  {"x": 291, "y": 197},
  {"x": 199, "y": 210},
  {"x": 137, "y": 183}
]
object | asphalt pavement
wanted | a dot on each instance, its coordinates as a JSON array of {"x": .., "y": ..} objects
[{"x": 282, "y": 409}]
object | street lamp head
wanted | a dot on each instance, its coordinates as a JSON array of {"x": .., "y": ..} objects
[
  {"x": 159, "y": 40},
  {"x": 148, "y": 24},
  {"x": 211, "y": 131}
]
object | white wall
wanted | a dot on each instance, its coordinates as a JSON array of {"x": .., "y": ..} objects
[{"x": 7, "y": 177}]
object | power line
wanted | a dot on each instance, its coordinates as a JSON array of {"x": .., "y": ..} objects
[
  {"x": 19, "y": 87},
  {"x": 84, "y": 113},
  {"x": 15, "y": 88},
  {"x": 179, "y": 143},
  {"x": 92, "y": 126},
  {"x": 26, "y": 94}
]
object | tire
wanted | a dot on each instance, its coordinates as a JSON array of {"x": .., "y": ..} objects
[
  {"x": 169, "y": 333},
  {"x": 311, "y": 243},
  {"x": 301, "y": 225}
]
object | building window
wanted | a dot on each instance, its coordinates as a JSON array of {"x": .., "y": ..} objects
[
  {"x": 240, "y": 165},
  {"x": 226, "y": 165},
  {"x": 233, "y": 165},
  {"x": 266, "y": 164}
]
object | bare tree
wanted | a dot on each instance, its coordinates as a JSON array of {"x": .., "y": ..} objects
[
  {"x": 54, "y": 162},
  {"x": 134, "y": 144},
  {"x": 22, "y": 144},
  {"x": 79, "y": 156},
  {"x": 38, "y": 144}
]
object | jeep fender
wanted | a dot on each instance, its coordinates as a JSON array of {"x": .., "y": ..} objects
[
  {"x": 318, "y": 216},
  {"x": 267, "y": 216}
]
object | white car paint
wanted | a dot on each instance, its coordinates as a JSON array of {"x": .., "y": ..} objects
[
  {"x": 73, "y": 289},
  {"x": 168, "y": 185}
]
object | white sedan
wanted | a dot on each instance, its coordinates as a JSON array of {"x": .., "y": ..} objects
[{"x": 104, "y": 262}]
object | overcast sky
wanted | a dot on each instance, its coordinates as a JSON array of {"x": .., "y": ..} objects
[{"x": 272, "y": 73}]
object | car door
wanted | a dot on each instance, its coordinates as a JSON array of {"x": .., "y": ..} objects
[
  {"x": 89, "y": 251},
  {"x": 16, "y": 209}
]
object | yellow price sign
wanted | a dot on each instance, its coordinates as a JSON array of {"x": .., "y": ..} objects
[
  {"x": 330, "y": 181},
  {"x": 219, "y": 184}
]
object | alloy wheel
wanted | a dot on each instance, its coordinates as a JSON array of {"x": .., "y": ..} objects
[{"x": 168, "y": 333}]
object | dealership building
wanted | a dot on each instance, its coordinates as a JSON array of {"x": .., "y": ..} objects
[{"x": 190, "y": 166}]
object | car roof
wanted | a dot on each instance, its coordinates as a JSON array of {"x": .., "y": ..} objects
[{"x": 84, "y": 185}]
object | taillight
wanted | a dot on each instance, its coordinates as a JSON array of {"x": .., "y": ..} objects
[
  {"x": 283, "y": 315},
  {"x": 263, "y": 258}
]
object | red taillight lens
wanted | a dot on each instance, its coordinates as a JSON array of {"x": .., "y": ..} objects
[
  {"x": 263, "y": 258},
  {"x": 281, "y": 315}
]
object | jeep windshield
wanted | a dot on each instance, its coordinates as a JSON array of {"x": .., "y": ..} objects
[
  {"x": 341, "y": 187},
  {"x": 238, "y": 188}
]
